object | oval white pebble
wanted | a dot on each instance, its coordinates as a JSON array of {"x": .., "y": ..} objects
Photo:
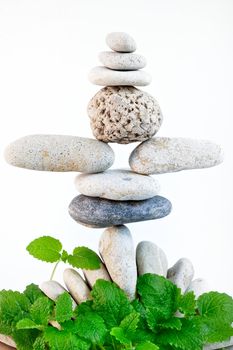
[
  {"x": 117, "y": 185},
  {"x": 223, "y": 345},
  {"x": 151, "y": 259},
  {"x": 122, "y": 61},
  {"x": 117, "y": 250},
  {"x": 181, "y": 274},
  {"x": 93, "y": 275},
  {"x": 121, "y": 42},
  {"x": 53, "y": 290},
  {"x": 7, "y": 340},
  {"x": 107, "y": 77},
  {"x": 76, "y": 285},
  {"x": 198, "y": 286}
]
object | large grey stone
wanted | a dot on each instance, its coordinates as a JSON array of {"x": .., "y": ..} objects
[
  {"x": 99, "y": 212},
  {"x": 181, "y": 274},
  {"x": 226, "y": 344},
  {"x": 124, "y": 114},
  {"x": 76, "y": 285},
  {"x": 93, "y": 275},
  {"x": 164, "y": 155},
  {"x": 119, "y": 185},
  {"x": 60, "y": 153},
  {"x": 121, "y": 42},
  {"x": 198, "y": 286},
  {"x": 117, "y": 250},
  {"x": 151, "y": 259},
  {"x": 53, "y": 290},
  {"x": 107, "y": 77},
  {"x": 122, "y": 61}
]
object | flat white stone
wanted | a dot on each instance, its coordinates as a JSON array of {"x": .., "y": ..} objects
[
  {"x": 53, "y": 290},
  {"x": 198, "y": 286},
  {"x": 165, "y": 155},
  {"x": 122, "y": 61},
  {"x": 226, "y": 344},
  {"x": 60, "y": 153},
  {"x": 7, "y": 340},
  {"x": 76, "y": 285},
  {"x": 121, "y": 42},
  {"x": 93, "y": 275},
  {"x": 107, "y": 77},
  {"x": 117, "y": 185},
  {"x": 117, "y": 250},
  {"x": 181, "y": 274},
  {"x": 151, "y": 259}
]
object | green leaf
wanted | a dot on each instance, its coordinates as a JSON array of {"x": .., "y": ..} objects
[
  {"x": 172, "y": 323},
  {"x": 213, "y": 330},
  {"x": 127, "y": 328},
  {"x": 63, "y": 309},
  {"x": 33, "y": 292},
  {"x": 147, "y": 346},
  {"x": 63, "y": 340},
  {"x": 83, "y": 308},
  {"x": 91, "y": 327},
  {"x": 45, "y": 248},
  {"x": 39, "y": 344},
  {"x": 110, "y": 302},
  {"x": 64, "y": 256},
  {"x": 41, "y": 310},
  {"x": 25, "y": 338},
  {"x": 84, "y": 258},
  {"x": 119, "y": 334},
  {"x": 27, "y": 323},
  {"x": 187, "y": 304}
]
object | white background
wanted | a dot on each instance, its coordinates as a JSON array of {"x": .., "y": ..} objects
[{"x": 46, "y": 50}]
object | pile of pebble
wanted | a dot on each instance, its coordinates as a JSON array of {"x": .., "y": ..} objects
[{"x": 119, "y": 113}]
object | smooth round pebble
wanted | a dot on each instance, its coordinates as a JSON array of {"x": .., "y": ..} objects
[
  {"x": 165, "y": 155},
  {"x": 7, "y": 341},
  {"x": 151, "y": 259},
  {"x": 100, "y": 212},
  {"x": 107, "y": 77},
  {"x": 223, "y": 345},
  {"x": 122, "y": 61},
  {"x": 60, "y": 153},
  {"x": 117, "y": 250},
  {"x": 198, "y": 286},
  {"x": 124, "y": 114},
  {"x": 93, "y": 275},
  {"x": 181, "y": 274},
  {"x": 121, "y": 42},
  {"x": 53, "y": 290},
  {"x": 76, "y": 285},
  {"x": 119, "y": 185}
]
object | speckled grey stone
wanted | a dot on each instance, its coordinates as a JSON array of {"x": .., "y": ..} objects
[
  {"x": 226, "y": 345},
  {"x": 198, "y": 286},
  {"x": 107, "y": 77},
  {"x": 93, "y": 275},
  {"x": 122, "y": 61},
  {"x": 124, "y": 114},
  {"x": 76, "y": 285},
  {"x": 60, "y": 153},
  {"x": 99, "y": 212},
  {"x": 119, "y": 185},
  {"x": 181, "y": 274},
  {"x": 121, "y": 42},
  {"x": 53, "y": 290},
  {"x": 164, "y": 155},
  {"x": 117, "y": 250},
  {"x": 151, "y": 259}
]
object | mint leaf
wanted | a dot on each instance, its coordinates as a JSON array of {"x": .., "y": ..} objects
[
  {"x": 64, "y": 256},
  {"x": 213, "y": 330},
  {"x": 127, "y": 328},
  {"x": 147, "y": 346},
  {"x": 187, "y": 304},
  {"x": 119, "y": 334},
  {"x": 25, "y": 338},
  {"x": 84, "y": 258},
  {"x": 27, "y": 323},
  {"x": 110, "y": 302},
  {"x": 45, "y": 248},
  {"x": 33, "y": 292},
  {"x": 41, "y": 310},
  {"x": 172, "y": 323},
  {"x": 64, "y": 340},
  {"x": 63, "y": 309},
  {"x": 39, "y": 344},
  {"x": 91, "y": 327}
]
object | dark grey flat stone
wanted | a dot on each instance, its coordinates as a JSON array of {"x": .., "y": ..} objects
[{"x": 99, "y": 212}]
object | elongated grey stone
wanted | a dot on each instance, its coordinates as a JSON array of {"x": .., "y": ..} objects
[
  {"x": 76, "y": 285},
  {"x": 93, "y": 275},
  {"x": 119, "y": 185},
  {"x": 122, "y": 61},
  {"x": 181, "y": 274},
  {"x": 151, "y": 259},
  {"x": 99, "y": 212},
  {"x": 164, "y": 155},
  {"x": 60, "y": 153},
  {"x": 226, "y": 344},
  {"x": 117, "y": 250},
  {"x": 121, "y": 42},
  {"x": 107, "y": 77},
  {"x": 8, "y": 341},
  {"x": 53, "y": 290},
  {"x": 198, "y": 286}
]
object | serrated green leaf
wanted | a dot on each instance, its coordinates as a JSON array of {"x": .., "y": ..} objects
[
  {"x": 110, "y": 302},
  {"x": 213, "y": 330},
  {"x": 119, "y": 334},
  {"x": 172, "y": 323},
  {"x": 27, "y": 323},
  {"x": 33, "y": 292},
  {"x": 63, "y": 309},
  {"x": 147, "y": 346},
  {"x": 25, "y": 338},
  {"x": 84, "y": 258},
  {"x": 45, "y": 248},
  {"x": 63, "y": 340},
  {"x": 91, "y": 327},
  {"x": 64, "y": 256},
  {"x": 41, "y": 310},
  {"x": 39, "y": 344},
  {"x": 187, "y": 304},
  {"x": 127, "y": 328},
  {"x": 83, "y": 308}
]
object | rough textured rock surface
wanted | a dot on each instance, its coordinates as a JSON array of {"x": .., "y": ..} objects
[
  {"x": 122, "y": 61},
  {"x": 151, "y": 259},
  {"x": 60, "y": 153},
  {"x": 124, "y": 114},
  {"x": 120, "y": 185},
  {"x": 181, "y": 274},
  {"x": 117, "y": 250},
  {"x": 107, "y": 77},
  {"x": 198, "y": 286},
  {"x": 121, "y": 42},
  {"x": 93, "y": 275},
  {"x": 53, "y": 289},
  {"x": 76, "y": 285},
  {"x": 99, "y": 212},
  {"x": 165, "y": 155}
]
